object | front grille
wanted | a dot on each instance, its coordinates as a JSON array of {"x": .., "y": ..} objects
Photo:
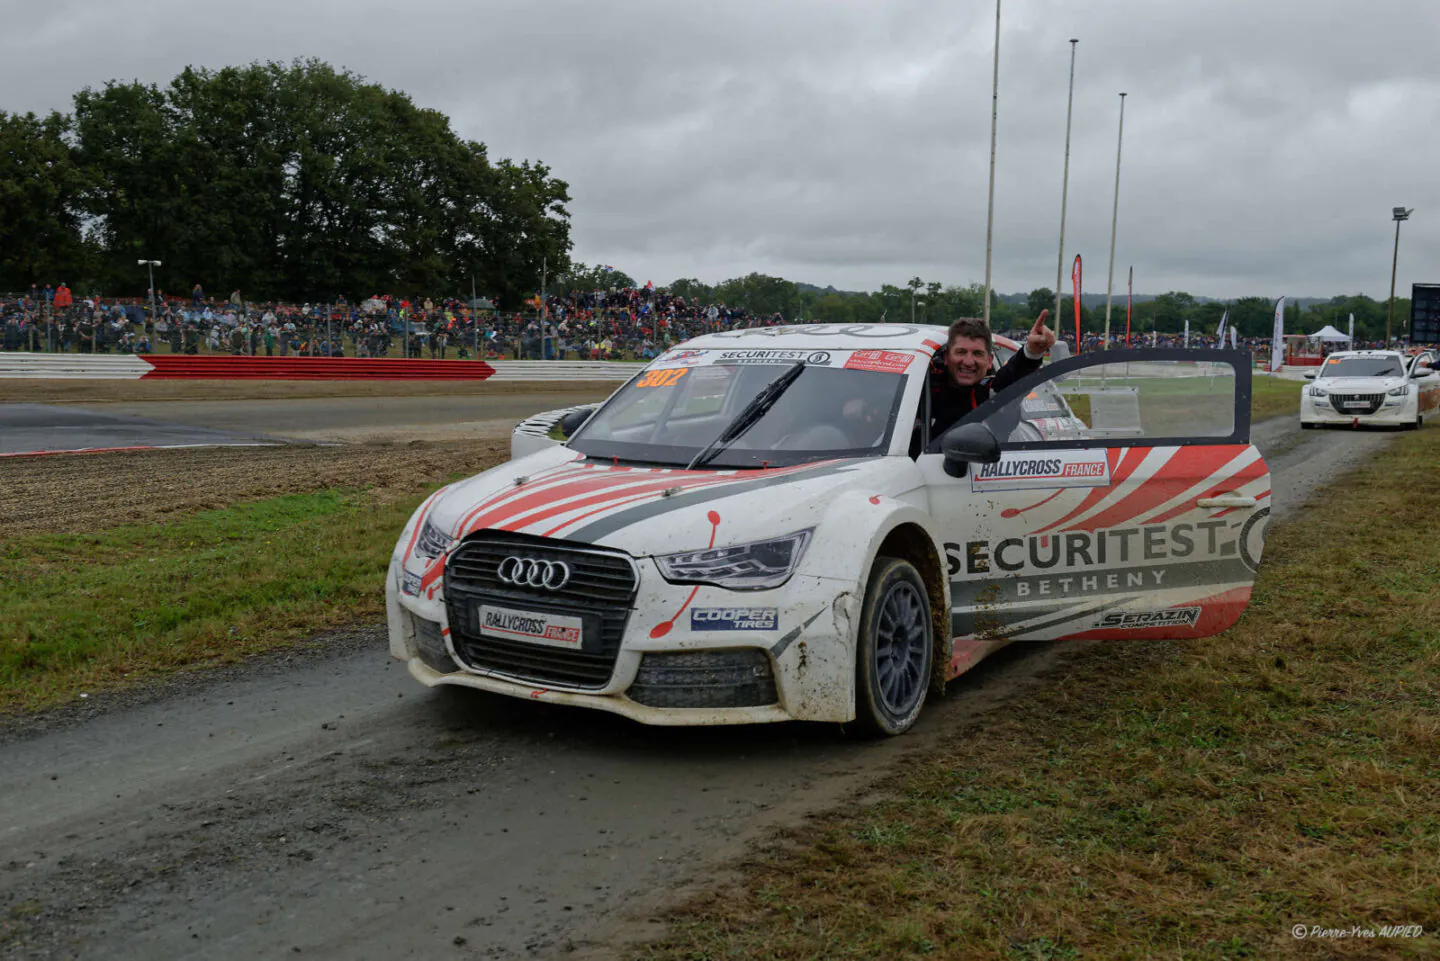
[
  {"x": 705, "y": 679},
  {"x": 1372, "y": 402},
  {"x": 600, "y": 592}
]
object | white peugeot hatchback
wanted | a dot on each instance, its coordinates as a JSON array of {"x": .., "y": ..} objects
[
  {"x": 757, "y": 527},
  {"x": 1362, "y": 388}
]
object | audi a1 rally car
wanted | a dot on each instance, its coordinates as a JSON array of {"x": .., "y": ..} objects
[
  {"x": 1358, "y": 388},
  {"x": 758, "y": 527}
]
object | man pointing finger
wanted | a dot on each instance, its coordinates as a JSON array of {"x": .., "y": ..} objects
[{"x": 960, "y": 377}]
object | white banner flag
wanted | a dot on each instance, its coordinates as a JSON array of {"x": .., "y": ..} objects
[
  {"x": 1352, "y": 330},
  {"x": 1220, "y": 333},
  {"x": 1187, "y": 333},
  {"x": 1277, "y": 339},
  {"x": 1234, "y": 341}
]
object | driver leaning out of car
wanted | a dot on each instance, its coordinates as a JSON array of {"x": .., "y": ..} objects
[{"x": 960, "y": 378}]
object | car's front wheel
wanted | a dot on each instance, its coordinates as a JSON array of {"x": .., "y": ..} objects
[{"x": 894, "y": 650}]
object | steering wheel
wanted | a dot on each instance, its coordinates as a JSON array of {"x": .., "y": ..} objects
[{"x": 815, "y": 437}]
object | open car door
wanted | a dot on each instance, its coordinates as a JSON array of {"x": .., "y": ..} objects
[
  {"x": 1127, "y": 501},
  {"x": 1423, "y": 371}
]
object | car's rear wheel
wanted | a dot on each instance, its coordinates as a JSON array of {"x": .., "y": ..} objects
[{"x": 894, "y": 650}]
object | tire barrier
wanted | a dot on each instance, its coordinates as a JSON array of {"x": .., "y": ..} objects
[{"x": 193, "y": 367}]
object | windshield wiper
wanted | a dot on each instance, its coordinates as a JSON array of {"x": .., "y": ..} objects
[{"x": 746, "y": 419}]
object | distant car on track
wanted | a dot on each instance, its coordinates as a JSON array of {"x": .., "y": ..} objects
[
  {"x": 757, "y": 527},
  {"x": 1371, "y": 388}
]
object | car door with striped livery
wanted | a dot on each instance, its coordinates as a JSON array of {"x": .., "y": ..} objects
[{"x": 1144, "y": 518}]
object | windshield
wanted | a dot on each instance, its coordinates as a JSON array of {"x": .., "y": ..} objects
[
  {"x": 669, "y": 415},
  {"x": 1362, "y": 367}
]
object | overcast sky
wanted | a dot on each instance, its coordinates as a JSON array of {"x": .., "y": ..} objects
[{"x": 846, "y": 142}]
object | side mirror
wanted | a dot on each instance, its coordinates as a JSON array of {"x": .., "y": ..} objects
[
  {"x": 573, "y": 421},
  {"x": 1310, "y": 376},
  {"x": 1423, "y": 371},
  {"x": 968, "y": 444},
  {"x": 1060, "y": 351}
]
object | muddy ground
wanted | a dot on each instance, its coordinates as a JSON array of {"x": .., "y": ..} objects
[
  {"x": 75, "y": 493},
  {"x": 328, "y": 806}
]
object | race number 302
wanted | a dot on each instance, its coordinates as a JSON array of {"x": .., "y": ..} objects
[{"x": 662, "y": 378}]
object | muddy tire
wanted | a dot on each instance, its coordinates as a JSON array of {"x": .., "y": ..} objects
[{"x": 894, "y": 650}]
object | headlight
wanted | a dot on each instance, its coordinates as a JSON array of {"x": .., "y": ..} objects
[
  {"x": 1314, "y": 391},
  {"x": 1402, "y": 391},
  {"x": 757, "y": 566},
  {"x": 432, "y": 541}
]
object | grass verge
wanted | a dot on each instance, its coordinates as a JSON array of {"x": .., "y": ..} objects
[
  {"x": 85, "y": 612},
  {"x": 1163, "y": 799},
  {"x": 1273, "y": 397}
]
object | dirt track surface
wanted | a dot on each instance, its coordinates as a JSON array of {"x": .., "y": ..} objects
[
  {"x": 75, "y": 493},
  {"x": 333, "y": 807}
]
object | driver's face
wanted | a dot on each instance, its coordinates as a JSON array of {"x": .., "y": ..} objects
[{"x": 968, "y": 360}]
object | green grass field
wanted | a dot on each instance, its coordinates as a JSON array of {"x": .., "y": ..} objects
[{"x": 86, "y": 612}]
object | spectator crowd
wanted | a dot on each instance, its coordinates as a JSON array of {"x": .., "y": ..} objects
[
  {"x": 634, "y": 323},
  {"x": 630, "y": 323}
]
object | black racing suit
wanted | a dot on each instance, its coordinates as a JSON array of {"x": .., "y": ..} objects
[{"x": 949, "y": 401}]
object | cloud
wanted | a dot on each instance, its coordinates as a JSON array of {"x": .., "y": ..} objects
[{"x": 846, "y": 142}]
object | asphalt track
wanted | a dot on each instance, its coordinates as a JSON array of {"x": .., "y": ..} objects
[
  {"x": 357, "y": 419},
  {"x": 30, "y": 428},
  {"x": 331, "y": 807},
  {"x": 100, "y": 426}
]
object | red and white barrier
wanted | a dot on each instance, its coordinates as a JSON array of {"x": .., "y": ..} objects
[{"x": 200, "y": 367}]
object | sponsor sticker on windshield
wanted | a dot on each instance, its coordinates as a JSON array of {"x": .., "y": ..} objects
[
  {"x": 663, "y": 377},
  {"x": 679, "y": 358},
  {"x": 881, "y": 361},
  {"x": 814, "y": 358},
  {"x": 1043, "y": 470},
  {"x": 733, "y": 618}
]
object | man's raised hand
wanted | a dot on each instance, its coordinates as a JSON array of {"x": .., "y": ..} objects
[{"x": 1041, "y": 338}]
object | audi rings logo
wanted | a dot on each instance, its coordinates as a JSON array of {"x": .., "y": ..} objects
[{"x": 529, "y": 572}]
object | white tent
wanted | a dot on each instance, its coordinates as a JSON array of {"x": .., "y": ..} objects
[{"x": 1329, "y": 335}]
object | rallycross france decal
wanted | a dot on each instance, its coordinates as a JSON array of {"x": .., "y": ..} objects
[{"x": 1044, "y": 470}]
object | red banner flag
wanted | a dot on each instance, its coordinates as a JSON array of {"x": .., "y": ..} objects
[{"x": 1075, "y": 276}]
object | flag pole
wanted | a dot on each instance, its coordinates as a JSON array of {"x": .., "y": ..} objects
[
  {"x": 994, "y": 115},
  {"x": 1129, "y": 303},
  {"x": 1065, "y": 184},
  {"x": 1114, "y": 220}
]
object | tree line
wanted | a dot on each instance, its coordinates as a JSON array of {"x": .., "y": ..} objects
[
  {"x": 285, "y": 181},
  {"x": 936, "y": 303}
]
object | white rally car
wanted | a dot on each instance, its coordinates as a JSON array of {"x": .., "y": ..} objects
[
  {"x": 757, "y": 527},
  {"x": 1359, "y": 388}
]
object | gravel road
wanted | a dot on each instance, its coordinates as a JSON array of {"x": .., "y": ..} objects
[{"x": 328, "y": 806}]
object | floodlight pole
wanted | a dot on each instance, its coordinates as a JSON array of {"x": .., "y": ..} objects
[
  {"x": 1400, "y": 214},
  {"x": 150, "y": 266},
  {"x": 994, "y": 115},
  {"x": 1114, "y": 220},
  {"x": 1065, "y": 183}
]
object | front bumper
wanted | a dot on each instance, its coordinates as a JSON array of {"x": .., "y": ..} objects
[
  {"x": 807, "y": 656},
  {"x": 1320, "y": 411}
]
